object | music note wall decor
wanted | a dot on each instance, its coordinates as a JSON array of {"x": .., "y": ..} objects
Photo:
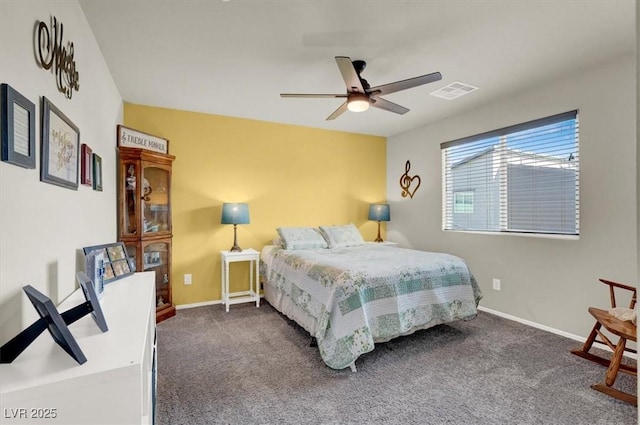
[{"x": 406, "y": 182}]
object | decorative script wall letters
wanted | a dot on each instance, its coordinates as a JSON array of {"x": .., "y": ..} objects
[{"x": 52, "y": 53}]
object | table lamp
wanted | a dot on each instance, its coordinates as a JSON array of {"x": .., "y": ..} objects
[
  {"x": 379, "y": 212},
  {"x": 235, "y": 214}
]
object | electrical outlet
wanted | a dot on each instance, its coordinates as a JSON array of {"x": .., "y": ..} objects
[
  {"x": 187, "y": 279},
  {"x": 496, "y": 284}
]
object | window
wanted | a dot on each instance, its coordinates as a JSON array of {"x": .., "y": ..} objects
[
  {"x": 522, "y": 178},
  {"x": 463, "y": 202}
]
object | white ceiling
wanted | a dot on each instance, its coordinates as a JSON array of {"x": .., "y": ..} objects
[{"x": 235, "y": 57}]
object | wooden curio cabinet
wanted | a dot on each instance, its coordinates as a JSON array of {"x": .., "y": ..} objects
[{"x": 144, "y": 217}]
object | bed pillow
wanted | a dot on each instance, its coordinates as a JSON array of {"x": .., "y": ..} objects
[
  {"x": 301, "y": 238},
  {"x": 342, "y": 236}
]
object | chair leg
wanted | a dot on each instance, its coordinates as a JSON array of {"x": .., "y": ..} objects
[
  {"x": 620, "y": 395},
  {"x": 585, "y": 354},
  {"x": 612, "y": 370},
  {"x": 584, "y": 351},
  {"x": 612, "y": 374}
]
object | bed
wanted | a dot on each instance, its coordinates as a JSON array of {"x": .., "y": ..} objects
[{"x": 351, "y": 295}]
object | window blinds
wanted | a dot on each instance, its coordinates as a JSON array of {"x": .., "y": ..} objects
[{"x": 522, "y": 178}]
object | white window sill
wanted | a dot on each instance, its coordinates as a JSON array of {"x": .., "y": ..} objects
[{"x": 527, "y": 235}]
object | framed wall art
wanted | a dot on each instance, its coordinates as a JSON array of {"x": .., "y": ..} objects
[
  {"x": 97, "y": 172},
  {"x": 86, "y": 165},
  {"x": 18, "y": 125},
  {"x": 60, "y": 148}
]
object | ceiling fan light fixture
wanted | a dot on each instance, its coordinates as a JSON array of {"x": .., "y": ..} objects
[
  {"x": 358, "y": 102},
  {"x": 360, "y": 95}
]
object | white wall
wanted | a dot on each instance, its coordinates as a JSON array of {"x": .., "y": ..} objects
[
  {"x": 547, "y": 281},
  {"x": 41, "y": 225}
]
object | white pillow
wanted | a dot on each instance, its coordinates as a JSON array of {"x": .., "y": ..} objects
[
  {"x": 342, "y": 236},
  {"x": 301, "y": 238}
]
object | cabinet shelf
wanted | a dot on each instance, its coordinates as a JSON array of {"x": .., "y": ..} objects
[{"x": 152, "y": 266}]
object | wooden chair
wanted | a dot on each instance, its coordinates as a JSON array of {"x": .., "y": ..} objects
[{"x": 624, "y": 330}]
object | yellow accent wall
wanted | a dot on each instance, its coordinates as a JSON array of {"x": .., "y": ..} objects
[{"x": 289, "y": 175}]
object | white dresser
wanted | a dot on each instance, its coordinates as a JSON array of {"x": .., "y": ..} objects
[{"x": 117, "y": 383}]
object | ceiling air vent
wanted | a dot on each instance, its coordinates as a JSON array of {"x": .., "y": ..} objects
[{"x": 453, "y": 90}]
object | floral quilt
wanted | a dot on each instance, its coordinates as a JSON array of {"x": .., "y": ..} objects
[{"x": 364, "y": 294}]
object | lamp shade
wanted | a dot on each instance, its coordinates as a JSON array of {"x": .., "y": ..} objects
[
  {"x": 379, "y": 212},
  {"x": 235, "y": 214}
]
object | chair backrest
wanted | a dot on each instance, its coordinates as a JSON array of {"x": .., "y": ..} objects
[{"x": 612, "y": 293}]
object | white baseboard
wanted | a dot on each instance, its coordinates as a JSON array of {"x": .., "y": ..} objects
[
  {"x": 202, "y": 304},
  {"x": 194, "y": 305},
  {"x": 550, "y": 329}
]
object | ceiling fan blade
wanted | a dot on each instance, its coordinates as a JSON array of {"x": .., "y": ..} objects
[
  {"x": 349, "y": 74},
  {"x": 341, "y": 109},
  {"x": 312, "y": 95},
  {"x": 380, "y": 103},
  {"x": 404, "y": 84}
]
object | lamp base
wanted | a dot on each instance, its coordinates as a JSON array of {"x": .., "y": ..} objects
[
  {"x": 378, "y": 238},
  {"x": 235, "y": 247}
]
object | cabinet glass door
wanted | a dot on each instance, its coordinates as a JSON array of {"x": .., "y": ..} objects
[
  {"x": 155, "y": 198},
  {"x": 156, "y": 257},
  {"x": 130, "y": 204},
  {"x": 132, "y": 253}
]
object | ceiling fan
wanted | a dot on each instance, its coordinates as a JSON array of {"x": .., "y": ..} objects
[{"x": 360, "y": 95}]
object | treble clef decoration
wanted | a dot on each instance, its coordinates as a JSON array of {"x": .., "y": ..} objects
[{"x": 406, "y": 181}]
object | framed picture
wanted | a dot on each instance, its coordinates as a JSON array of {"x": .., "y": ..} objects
[
  {"x": 93, "y": 299},
  {"x": 116, "y": 252},
  {"x": 116, "y": 262},
  {"x": 94, "y": 268},
  {"x": 86, "y": 165},
  {"x": 51, "y": 319},
  {"x": 17, "y": 120},
  {"x": 97, "y": 172},
  {"x": 121, "y": 267},
  {"x": 60, "y": 148}
]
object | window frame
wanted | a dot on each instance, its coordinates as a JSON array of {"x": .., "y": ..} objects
[{"x": 502, "y": 150}]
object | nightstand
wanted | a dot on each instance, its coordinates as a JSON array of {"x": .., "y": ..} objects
[
  {"x": 253, "y": 294},
  {"x": 385, "y": 243}
]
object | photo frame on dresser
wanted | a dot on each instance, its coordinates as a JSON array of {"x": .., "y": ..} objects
[
  {"x": 116, "y": 262},
  {"x": 91, "y": 306},
  {"x": 51, "y": 320}
]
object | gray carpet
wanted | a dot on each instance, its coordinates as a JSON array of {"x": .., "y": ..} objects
[{"x": 254, "y": 366}]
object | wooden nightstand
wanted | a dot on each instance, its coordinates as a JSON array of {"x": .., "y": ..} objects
[{"x": 253, "y": 294}]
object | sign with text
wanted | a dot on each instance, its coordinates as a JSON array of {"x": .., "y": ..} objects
[{"x": 129, "y": 138}]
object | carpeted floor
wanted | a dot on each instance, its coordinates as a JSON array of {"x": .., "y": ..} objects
[{"x": 254, "y": 366}]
